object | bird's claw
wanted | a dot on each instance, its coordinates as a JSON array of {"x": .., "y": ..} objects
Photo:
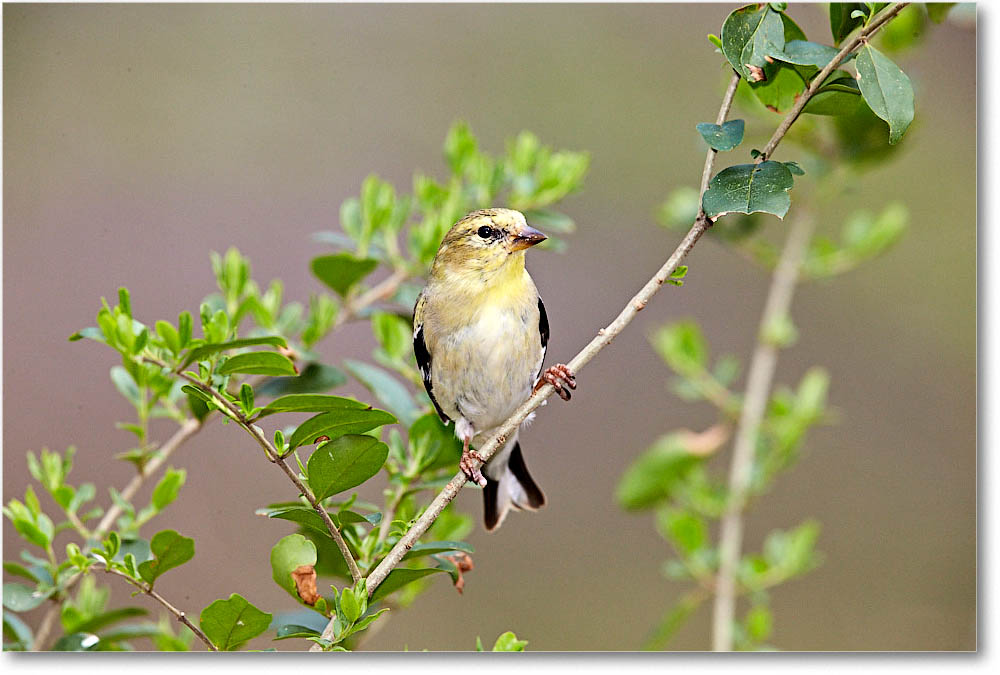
[
  {"x": 473, "y": 474},
  {"x": 560, "y": 377}
]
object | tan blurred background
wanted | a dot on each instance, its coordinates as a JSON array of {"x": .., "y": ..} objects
[{"x": 138, "y": 138}]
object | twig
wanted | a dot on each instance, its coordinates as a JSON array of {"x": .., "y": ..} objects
[
  {"x": 817, "y": 81},
  {"x": 148, "y": 590},
  {"x": 380, "y": 291},
  {"x": 759, "y": 378},
  {"x": 233, "y": 411},
  {"x": 602, "y": 340},
  {"x": 188, "y": 429}
]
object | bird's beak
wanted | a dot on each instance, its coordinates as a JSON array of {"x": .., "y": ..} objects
[{"x": 527, "y": 238}]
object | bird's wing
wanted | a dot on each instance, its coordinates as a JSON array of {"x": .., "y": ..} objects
[
  {"x": 423, "y": 356},
  {"x": 543, "y": 330}
]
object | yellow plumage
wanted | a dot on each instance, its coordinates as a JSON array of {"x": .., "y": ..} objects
[{"x": 480, "y": 334}]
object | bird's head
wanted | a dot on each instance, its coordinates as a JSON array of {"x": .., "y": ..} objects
[{"x": 485, "y": 244}]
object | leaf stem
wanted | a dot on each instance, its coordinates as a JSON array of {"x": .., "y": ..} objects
[{"x": 145, "y": 588}]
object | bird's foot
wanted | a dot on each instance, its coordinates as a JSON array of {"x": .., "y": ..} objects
[
  {"x": 465, "y": 464},
  {"x": 560, "y": 377}
]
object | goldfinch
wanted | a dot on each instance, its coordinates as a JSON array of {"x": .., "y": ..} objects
[{"x": 479, "y": 335}]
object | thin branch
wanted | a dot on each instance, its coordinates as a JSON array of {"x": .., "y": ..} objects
[
  {"x": 380, "y": 291},
  {"x": 188, "y": 429},
  {"x": 602, "y": 340},
  {"x": 759, "y": 378},
  {"x": 727, "y": 103},
  {"x": 148, "y": 590},
  {"x": 817, "y": 81},
  {"x": 233, "y": 411}
]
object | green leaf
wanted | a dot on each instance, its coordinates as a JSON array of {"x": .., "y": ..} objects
[
  {"x": 104, "y": 619},
  {"x": 386, "y": 388},
  {"x": 291, "y": 630},
  {"x": 805, "y": 53},
  {"x": 393, "y": 333},
  {"x": 18, "y": 631},
  {"x": 303, "y": 515},
  {"x": 838, "y": 95},
  {"x": 673, "y": 620},
  {"x": 341, "y": 271},
  {"x": 687, "y": 531},
  {"x": 203, "y": 352},
  {"x": 656, "y": 473},
  {"x": 886, "y": 89},
  {"x": 749, "y": 188},
  {"x": 938, "y": 11},
  {"x": 344, "y": 463},
  {"x": 338, "y": 422},
  {"x": 230, "y": 623},
  {"x": 167, "y": 488},
  {"x": 246, "y": 398},
  {"x": 20, "y": 598},
  {"x": 434, "y": 444},
  {"x": 170, "y": 550},
  {"x": 315, "y": 378},
  {"x": 400, "y": 577},
  {"x": 722, "y": 137},
  {"x": 258, "y": 363},
  {"x": 842, "y": 20},
  {"x": 433, "y": 547},
  {"x": 125, "y": 384},
  {"x": 682, "y": 346},
  {"x": 508, "y": 642},
  {"x": 749, "y": 35},
  {"x": 168, "y": 334},
  {"x": 311, "y": 403},
  {"x": 289, "y": 554},
  {"x": 758, "y": 623}
]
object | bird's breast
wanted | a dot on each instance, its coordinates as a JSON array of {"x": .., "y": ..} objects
[{"x": 484, "y": 367}]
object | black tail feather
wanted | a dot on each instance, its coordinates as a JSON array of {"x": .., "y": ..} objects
[
  {"x": 517, "y": 467},
  {"x": 491, "y": 515}
]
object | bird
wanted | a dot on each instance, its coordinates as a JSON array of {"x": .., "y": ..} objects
[{"x": 480, "y": 333}]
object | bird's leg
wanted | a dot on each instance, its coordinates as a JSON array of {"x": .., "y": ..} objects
[
  {"x": 466, "y": 432},
  {"x": 560, "y": 377}
]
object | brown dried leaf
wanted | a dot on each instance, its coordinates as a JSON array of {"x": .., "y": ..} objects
[
  {"x": 305, "y": 583},
  {"x": 756, "y": 73},
  {"x": 463, "y": 562}
]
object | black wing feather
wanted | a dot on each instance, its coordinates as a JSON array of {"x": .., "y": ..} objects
[
  {"x": 543, "y": 331},
  {"x": 424, "y": 363}
]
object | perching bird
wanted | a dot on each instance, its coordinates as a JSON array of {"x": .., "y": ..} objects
[{"x": 479, "y": 336}]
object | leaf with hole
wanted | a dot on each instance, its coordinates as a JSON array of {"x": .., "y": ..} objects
[
  {"x": 338, "y": 422},
  {"x": 344, "y": 463},
  {"x": 749, "y": 188},
  {"x": 750, "y": 35}
]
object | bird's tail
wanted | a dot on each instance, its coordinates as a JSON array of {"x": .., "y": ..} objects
[{"x": 509, "y": 486}]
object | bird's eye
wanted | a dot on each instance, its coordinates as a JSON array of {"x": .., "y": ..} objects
[{"x": 485, "y": 232}]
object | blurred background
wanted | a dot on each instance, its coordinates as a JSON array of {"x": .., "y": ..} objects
[{"x": 139, "y": 138}]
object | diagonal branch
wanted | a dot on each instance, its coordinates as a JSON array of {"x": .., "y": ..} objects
[
  {"x": 602, "y": 340},
  {"x": 607, "y": 334},
  {"x": 230, "y": 409},
  {"x": 148, "y": 590}
]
